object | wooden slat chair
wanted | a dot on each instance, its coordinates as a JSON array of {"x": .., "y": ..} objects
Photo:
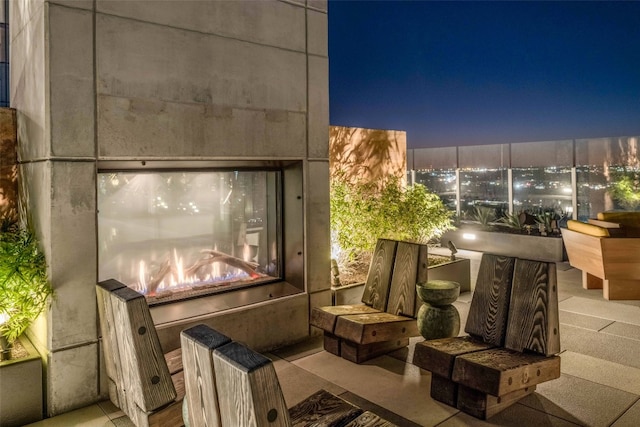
[
  {"x": 386, "y": 319},
  {"x": 513, "y": 339},
  {"x": 230, "y": 385},
  {"x": 486, "y": 326},
  {"x": 607, "y": 260},
  {"x": 147, "y": 385}
]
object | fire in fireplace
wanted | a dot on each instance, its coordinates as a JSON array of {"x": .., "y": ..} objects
[{"x": 179, "y": 234}]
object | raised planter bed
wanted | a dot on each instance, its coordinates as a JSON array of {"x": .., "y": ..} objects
[
  {"x": 21, "y": 386},
  {"x": 347, "y": 294},
  {"x": 536, "y": 248},
  {"x": 458, "y": 270}
]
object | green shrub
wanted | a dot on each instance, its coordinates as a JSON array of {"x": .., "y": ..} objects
[
  {"x": 363, "y": 212},
  {"x": 24, "y": 286},
  {"x": 626, "y": 189}
]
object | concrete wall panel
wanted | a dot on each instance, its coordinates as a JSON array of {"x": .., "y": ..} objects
[
  {"x": 21, "y": 13},
  {"x": 77, "y": 4},
  {"x": 318, "y": 4},
  {"x": 72, "y": 378},
  {"x": 318, "y": 229},
  {"x": 137, "y": 60},
  {"x": 262, "y": 327},
  {"x": 73, "y": 257},
  {"x": 72, "y": 84},
  {"x": 318, "y": 108},
  {"x": 149, "y": 128},
  {"x": 272, "y": 23},
  {"x": 317, "y": 33},
  {"x": 318, "y": 299},
  {"x": 28, "y": 82}
]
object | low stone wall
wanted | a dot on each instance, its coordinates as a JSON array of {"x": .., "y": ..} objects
[{"x": 516, "y": 245}]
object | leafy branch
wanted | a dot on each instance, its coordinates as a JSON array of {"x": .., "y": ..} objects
[
  {"x": 24, "y": 286},
  {"x": 626, "y": 190},
  {"x": 363, "y": 212}
]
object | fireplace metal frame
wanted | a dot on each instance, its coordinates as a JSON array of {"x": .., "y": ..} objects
[{"x": 292, "y": 239}]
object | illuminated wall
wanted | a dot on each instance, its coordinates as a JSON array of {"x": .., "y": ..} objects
[{"x": 367, "y": 154}]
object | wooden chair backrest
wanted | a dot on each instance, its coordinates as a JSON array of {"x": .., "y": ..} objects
[
  {"x": 395, "y": 269},
  {"x": 252, "y": 394},
  {"x": 201, "y": 397},
  {"x": 533, "y": 311},
  {"x": 515, "y": 305},
  {"x": 376, "y": 289},
  {"x": 489, "y": 308},
  {"x": 409, "y": 268},
  {"x": 134, "y": 359},
  {"x": 584, "y": 251},
  {"x": 230, "y": 385}
]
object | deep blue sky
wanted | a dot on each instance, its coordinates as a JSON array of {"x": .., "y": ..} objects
[{"x": 462, "y": 73}]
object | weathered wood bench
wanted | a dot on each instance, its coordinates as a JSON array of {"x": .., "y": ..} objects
[
  {"x": 512, "y": 344},
  {"x": 230, "y": 385},
  {"x": 607, "y": 255},
  {"x": 147, "y": 385},
  {"x": 386, "y": 319}
]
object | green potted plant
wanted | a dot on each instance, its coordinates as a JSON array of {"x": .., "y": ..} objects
[
  {"x": 24, "y": 291},
  {"x": 24, "y": 287}
]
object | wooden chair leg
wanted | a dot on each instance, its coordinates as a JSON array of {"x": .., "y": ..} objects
[
  {"x": 332, "y": 343},
  {"x": 484, "y": 406},
  {"x": 359, "y": 353},
  {"x": 444, "y": 390},
  {"x": 589, "y": 281}
]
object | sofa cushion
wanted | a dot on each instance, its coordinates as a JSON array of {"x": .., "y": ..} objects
[
  {"x": 589, "y": 229},
  {"x": 630, "y": 221},
  {"x": 632, "y": 218}
]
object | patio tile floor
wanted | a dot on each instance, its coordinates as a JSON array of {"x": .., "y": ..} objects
[{"x": 599, "y": 385}]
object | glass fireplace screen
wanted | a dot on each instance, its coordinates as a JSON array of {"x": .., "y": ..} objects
[{"x": 175, "y": 235}]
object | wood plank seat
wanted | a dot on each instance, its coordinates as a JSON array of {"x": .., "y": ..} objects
[
  {"x": 386, "y": 319},
  {"x": 147, "y": 385},
  {"x": 512, "y": 344},
  {"x": 229, "y": 385}
]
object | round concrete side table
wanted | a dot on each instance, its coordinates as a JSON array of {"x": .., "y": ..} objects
[{"x": 438, "y": 318}]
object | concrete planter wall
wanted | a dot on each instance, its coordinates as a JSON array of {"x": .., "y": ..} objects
[
  {"x": 21, "y": 388},
  {"x": 458, "y": 270},
  {"x": 517, "y": 245},
  {"x": 348, "y": 294}
]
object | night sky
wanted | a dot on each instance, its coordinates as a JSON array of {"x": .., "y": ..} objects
[{"x": 463, "y": 73}]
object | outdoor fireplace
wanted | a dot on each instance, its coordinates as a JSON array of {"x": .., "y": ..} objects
[{"x": 178, "y": 233}]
